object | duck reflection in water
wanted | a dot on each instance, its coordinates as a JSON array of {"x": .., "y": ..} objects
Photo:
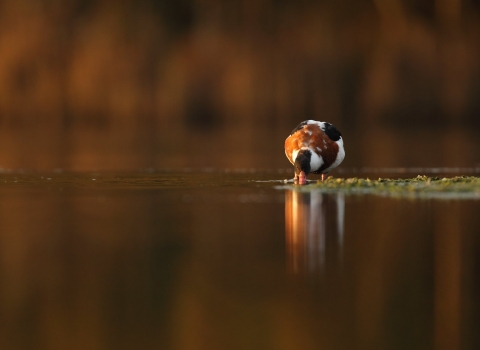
[{"x": 314, "y": 229}]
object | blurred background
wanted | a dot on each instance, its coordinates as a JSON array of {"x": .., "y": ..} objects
[
  {"x": 94, "y": 262},
  {"x": 109, "y": 85}
]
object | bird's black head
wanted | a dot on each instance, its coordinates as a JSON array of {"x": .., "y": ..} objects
[{"x": 302, "y": 162}]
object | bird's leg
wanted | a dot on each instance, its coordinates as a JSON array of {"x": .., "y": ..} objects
[{"x": 324, "y": 177}]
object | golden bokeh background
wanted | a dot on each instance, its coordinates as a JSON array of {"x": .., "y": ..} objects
[
  {"x": 213, "y": 260},
  {"x": 129, "y": 85}
]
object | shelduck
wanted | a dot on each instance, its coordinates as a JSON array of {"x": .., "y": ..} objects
[{"x": 314, "y": 147}]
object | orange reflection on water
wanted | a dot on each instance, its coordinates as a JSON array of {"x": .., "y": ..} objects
[{"x": 314, "y": 229}]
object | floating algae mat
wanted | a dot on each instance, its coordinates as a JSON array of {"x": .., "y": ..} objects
[{"x": 461, "y": 187}]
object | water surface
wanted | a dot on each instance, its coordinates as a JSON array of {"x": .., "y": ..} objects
[{"x": 208, "y": 259}]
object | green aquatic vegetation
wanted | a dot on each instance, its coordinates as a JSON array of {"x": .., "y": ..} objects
[{"x": 459, "y": 186}]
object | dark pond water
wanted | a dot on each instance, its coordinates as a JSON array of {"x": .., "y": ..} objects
[{"x": 226, "y": 260}]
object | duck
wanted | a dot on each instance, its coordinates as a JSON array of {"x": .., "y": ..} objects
[{"x": 314, "y": 147}]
